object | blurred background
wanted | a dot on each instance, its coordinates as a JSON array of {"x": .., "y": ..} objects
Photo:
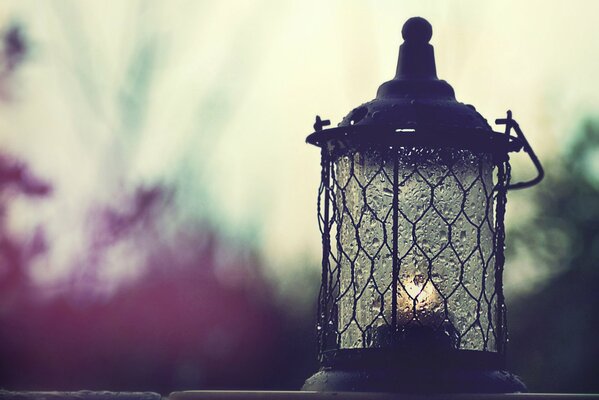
[{"x": 158, "y": 202}]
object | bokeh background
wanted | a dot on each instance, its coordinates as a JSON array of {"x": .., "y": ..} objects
[{"x": 157, "y": 200}]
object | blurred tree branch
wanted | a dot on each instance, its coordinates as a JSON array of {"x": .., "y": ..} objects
[{"x": 553, "y": 328}]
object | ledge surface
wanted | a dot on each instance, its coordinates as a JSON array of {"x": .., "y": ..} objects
[
  {"x": 271, "y": 395},
  {"x": 79, "y": 395},
  {"x": 256, "y": 395}
]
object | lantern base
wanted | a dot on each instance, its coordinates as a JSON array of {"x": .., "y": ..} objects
[
  {"x": 417, "y": 381},
  {"x": 410, "y": 371}
]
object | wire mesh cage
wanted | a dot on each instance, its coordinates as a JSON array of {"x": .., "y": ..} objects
[
  {"x": 412, "y": 243},
  {"x": 411, "y": 210}
]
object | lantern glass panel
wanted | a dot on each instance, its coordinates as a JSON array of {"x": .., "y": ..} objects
[{"x": 433, "y": 209}]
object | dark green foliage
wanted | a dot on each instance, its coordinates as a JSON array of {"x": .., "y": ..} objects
[{"x": 554, "y": 330}]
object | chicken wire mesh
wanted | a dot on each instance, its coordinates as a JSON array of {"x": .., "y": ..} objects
[{"x": 412, "y": 241}]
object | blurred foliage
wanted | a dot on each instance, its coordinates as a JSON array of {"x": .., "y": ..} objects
[
  {"x": 201, "y": 313},
  {"x": 553, "y": 328},
  {"x": 14, "y": 49},
  {"x": 197, "y": 312}
]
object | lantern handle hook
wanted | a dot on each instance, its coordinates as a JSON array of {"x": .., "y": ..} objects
[{"x": 512, "y": 124}]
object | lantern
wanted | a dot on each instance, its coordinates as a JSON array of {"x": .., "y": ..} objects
[{"x": 411, "y": 209}]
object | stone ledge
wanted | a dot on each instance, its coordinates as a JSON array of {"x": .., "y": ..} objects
[
  {"x": 80, "y": 395},
  {"x": 259, "y": 395},
  {"x": 273, "y": 395}
]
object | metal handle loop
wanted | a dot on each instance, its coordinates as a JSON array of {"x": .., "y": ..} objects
[{"x": 512, "y": 124}]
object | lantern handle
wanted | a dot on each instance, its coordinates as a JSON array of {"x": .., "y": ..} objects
[{"x": 512, "y": 124}]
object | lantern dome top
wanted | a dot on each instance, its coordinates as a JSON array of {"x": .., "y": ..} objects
[
  {"x": 416, "y": 107},
  {"x": 416, "y": 97}
]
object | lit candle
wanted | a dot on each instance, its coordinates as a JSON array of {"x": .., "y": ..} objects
[
  {"x": 420, "y": 315},
  {"x": 418, "y": 302}
]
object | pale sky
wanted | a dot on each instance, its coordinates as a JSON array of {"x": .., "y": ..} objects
[{"x": 219, "y": 96}]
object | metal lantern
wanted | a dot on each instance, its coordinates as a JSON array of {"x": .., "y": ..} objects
[{"x": 411, "y": 209}]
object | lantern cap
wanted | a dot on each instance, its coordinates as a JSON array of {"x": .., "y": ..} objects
[
  {"x": 417, "y": 29},
  {"x": 416, "y": 97},
  {"x": 416, "y": 55},
  {"x": 417, "y": 104}
]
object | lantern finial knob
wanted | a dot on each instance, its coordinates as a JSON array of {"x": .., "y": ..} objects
[
  {"x": 417, "y": 30},
  {"x": 416, "y": 55}
]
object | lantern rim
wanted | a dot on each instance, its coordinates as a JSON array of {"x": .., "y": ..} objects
[{"x": 455, "y": 137}]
